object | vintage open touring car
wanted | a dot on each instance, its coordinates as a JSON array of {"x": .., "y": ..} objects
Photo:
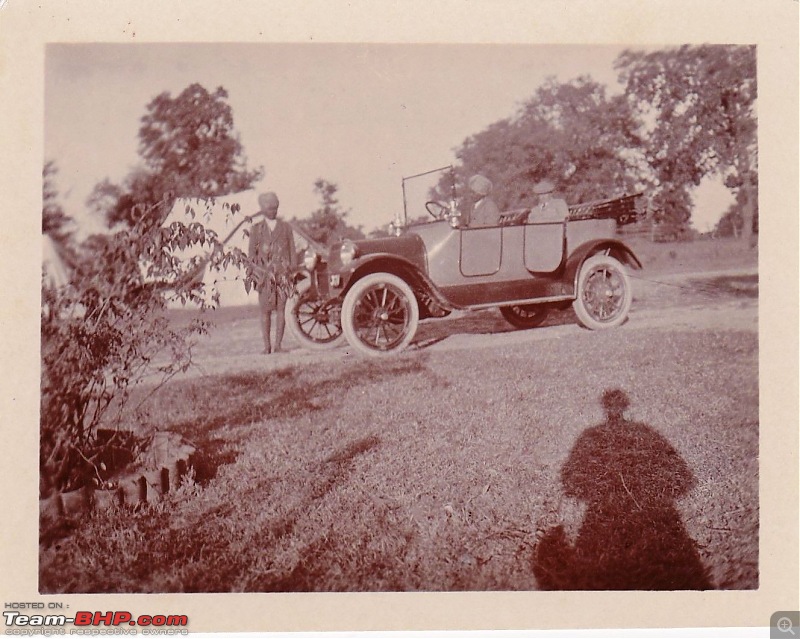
[{"x": 374, "y": 292}]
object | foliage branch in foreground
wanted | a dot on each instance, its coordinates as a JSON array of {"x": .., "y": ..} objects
[{"x": 107, "y": 331}]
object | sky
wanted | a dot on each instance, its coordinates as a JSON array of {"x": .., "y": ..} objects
[{"x": 359, "y": 115}]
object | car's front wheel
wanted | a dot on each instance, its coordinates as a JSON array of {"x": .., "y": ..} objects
[
  {"x": 525, "y": 315},
  {"x": 315, "y": 323},
  {"x": 603, "y": 293},
  {"x": 380, "y": 314}
]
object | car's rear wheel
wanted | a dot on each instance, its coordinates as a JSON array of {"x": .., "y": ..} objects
[
  {"x": 380, "y": 314},
  {"x": 315, "y": 323},
  {"x": 603, "y": 293},
  {"x": 525, "y": 315}
]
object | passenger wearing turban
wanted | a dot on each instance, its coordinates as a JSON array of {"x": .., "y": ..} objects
[{"x": 485, "y": 211}]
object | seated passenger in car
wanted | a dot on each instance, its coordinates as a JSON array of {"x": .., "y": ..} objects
[
  {"x": 549, "y": 208},
  {"x": 485, "y": 211}
]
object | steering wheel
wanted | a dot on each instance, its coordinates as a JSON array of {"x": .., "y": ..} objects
[{"x": 437, "y": 209}]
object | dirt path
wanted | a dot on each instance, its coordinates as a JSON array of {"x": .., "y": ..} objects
[{"x": 725, "y": 300}]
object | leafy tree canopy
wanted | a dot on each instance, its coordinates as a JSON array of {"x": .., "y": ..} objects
[
  {"x": 55, "y": 222},
  {"x": 571, "y": 133},
  {"x": 696, "y": 106},
  {"x": 687, "y": 113},
  {"x": 328, "y": 223},
  {"x": 189, "y": 148}
]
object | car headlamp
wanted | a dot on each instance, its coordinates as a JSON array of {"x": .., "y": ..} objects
[
  {"x": 310, "y": 258},
  {"x": 347, "y": 252},
  {"x": 396, "y": 226}
]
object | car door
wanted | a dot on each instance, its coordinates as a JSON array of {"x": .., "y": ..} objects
[
  {"x": 545, "y": 246},
  {"x": 481, "y": 251}
]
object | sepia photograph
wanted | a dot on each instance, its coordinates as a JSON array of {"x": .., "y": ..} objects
[
  {"x": 330, "y": 317},
  {"x": 357, "y": 325}
]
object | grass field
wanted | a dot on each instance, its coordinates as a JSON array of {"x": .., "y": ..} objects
[
  {"x": 696, "y": 256},
  {"x": 455, "y": 469}
]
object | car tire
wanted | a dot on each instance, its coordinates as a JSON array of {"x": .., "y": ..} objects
[
  {"x": 604, "y": 293},
  {"x": 314, "y": 323},
  {"x": 380, "y": 315},
  {"x": 525, "y": 315}
]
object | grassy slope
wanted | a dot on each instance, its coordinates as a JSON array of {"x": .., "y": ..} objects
[
  {"x": 685, "y": 257},
  {"x": 423, "y": 473},
  {"x": 430, "y": 471}
]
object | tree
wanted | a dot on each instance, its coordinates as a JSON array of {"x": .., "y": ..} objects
[
  {"x": 731, "y": 224},
  {"x": 189, "y": 148},
  {"x": 590, "y": 138},
  {"x": 572, "y": 133},
  {"x": 55, "y": 222},
  {"x": 327, "y": 223},
  {"x": 697, "y": 108}
]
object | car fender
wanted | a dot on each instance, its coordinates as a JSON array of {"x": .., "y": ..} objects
[
  {"x": 396, "y": 265},
  {"x": 615, "y": 248}
]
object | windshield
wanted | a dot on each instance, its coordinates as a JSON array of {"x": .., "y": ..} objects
[{"x": 435, "y": 185}]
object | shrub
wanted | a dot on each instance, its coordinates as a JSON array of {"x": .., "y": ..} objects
[{"x": 107, "y": 331}]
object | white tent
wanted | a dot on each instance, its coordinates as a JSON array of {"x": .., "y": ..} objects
[
  {"x": 232, "y": 227},
  {"x": 53, "y": 267}
]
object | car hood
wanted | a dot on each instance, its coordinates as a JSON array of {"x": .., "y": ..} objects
[{"x": 408, "y": 246}]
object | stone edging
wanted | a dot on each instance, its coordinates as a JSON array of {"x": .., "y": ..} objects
[{"x": 168, "y": 457}]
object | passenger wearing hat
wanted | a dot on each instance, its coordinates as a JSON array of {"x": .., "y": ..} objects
[
  {"x": 485, "y": 211},
  {"x": 272, "y": 258},
  {"x": 549, "y": 209}
]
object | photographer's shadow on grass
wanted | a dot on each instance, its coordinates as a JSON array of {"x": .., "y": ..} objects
[{"x": 632, "y": 536}]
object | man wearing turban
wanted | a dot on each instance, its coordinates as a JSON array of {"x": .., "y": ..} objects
[
  {"x": 485, "y": 211},
  {"x": 272, "y": 260}
]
